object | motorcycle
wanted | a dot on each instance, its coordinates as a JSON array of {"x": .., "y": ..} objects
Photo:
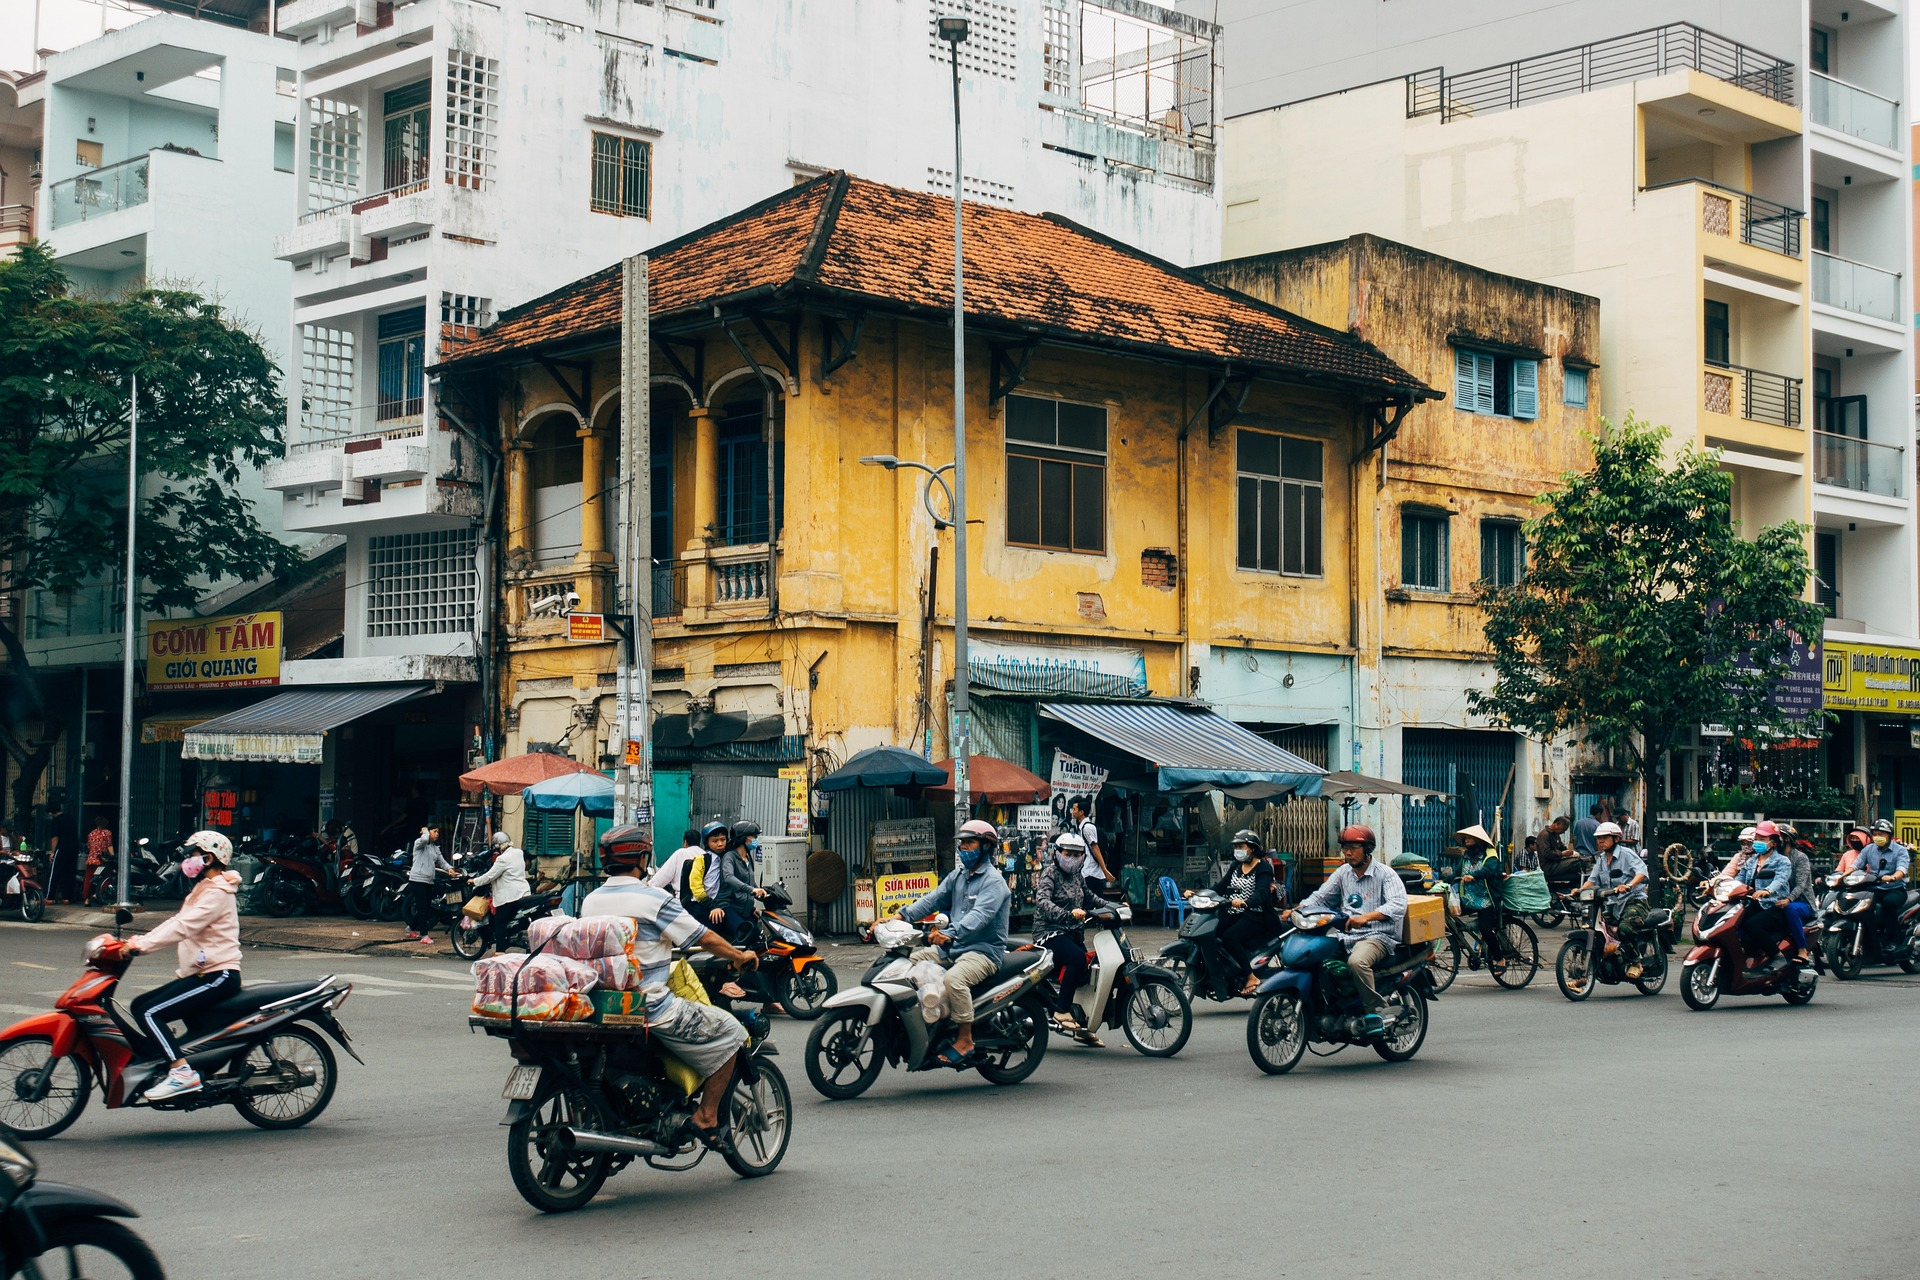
[
  {"x": 258, "y": 1051},
  {"x": 1729, "y": 956},
  {"x": 1852, "y": 927},
  {"x": 21, "y": 886},
  {"x": 294, "y": 878},
  {"x": 1593, "y": 952},
  {"x": 792, "y": 973},
  {"x": 1303, "y": 1003},
  {"x": 375, "y": 886},
  {"x": 879, "y": 1022},
  {"x": 146, "y": 877},
  {"x": 1144, "y": 1000},
  {"x": 40, "y": 1221},
  {"x": 585, "y": 1100},
  {"x": 472, "y": 937},
  {"x": 1198, "y": 961}
]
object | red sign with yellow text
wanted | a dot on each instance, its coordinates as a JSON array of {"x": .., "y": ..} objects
[{"x": 238, "y": 651}]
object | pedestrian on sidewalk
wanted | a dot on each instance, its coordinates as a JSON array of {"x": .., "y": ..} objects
[
  {"x": 428, "y": 862},
  {"x": 63, "y": 854},
  {"x": 99, "y": 854}
]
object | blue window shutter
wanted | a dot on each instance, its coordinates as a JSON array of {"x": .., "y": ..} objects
[
  {"x": 1576, "y": 388},
  {"x": 1483, "y": 384},
  {"x": 1526, "y": 388},
  {"x": 1465, "y": 381}
]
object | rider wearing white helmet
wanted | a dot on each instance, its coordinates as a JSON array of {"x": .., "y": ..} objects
[
  {"x": 1062, "y": 900},
  {"x": 206, "y": 931},
  {"x": 506, "y": 883},
  {"x": 1619, "y": 874}
]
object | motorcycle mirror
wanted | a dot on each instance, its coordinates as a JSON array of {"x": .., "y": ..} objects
[{"x": 122, "y": 916}]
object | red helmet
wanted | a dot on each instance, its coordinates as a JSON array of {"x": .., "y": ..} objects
[
  {"x": 1359, "y": 835},
  {"x": 975, "y": 829},
  {"x": 1765, "y": 830}
]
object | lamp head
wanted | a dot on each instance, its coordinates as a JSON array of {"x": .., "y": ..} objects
[
  {"x": 952, "y": 30},
  {"x": 886, "y": 460}
]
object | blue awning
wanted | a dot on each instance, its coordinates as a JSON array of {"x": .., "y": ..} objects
[{"x": 1189, "y": 746}]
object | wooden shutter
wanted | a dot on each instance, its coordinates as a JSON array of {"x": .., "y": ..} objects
[
  {"x": 1473, "y": 382},
  {"x": 1526, "y": 388}
]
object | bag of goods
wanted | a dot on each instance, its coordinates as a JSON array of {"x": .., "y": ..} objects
[
  {"x": 1527, "y": 891},
  {"x": 549, "y": 988},
  {"x": 586, "y": 938},
  {"x": 478, "y": 907},
  {"x": 615, "y": 973}
]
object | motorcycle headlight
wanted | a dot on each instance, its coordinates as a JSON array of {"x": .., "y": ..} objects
[
  {"x": 786, "y": 935},
  {"x": 17, "y": 1166}
]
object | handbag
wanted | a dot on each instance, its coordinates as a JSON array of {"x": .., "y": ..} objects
[{"x": 478, "y": 907}]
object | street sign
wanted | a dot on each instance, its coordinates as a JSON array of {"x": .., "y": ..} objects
[
  {"x": 1034, "y": 819},
  {"x": 588, "y": 627},
  {"x": 633, "y": 751}
]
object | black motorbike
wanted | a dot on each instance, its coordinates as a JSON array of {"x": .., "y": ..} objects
[
  {"x": 792, "y": 973},
  {"x": 1856, "y": 933},
  {"x": 375, "y": 885},
  {"x": 147, "y": 877},
  {"x": 44, "y": 1221},
  {"x": 472, "y": 938},
  {"x": 1584, "y": 959},
  {"x": 1312, "y": 999},
  {"x": 1198, "y": 959}
]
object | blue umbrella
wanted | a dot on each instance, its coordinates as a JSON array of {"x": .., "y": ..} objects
[
  {"x": 883, "y": 767},
  {"x": 591, "y": 792}
]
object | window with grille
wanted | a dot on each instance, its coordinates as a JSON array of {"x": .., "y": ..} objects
[
  {"x": 421, "y": 584},
  {"x": 1056, "y": 474},
  {"x": 403, "y": 362},
  {"x": 326, "y": 383},
  {"x": 977, "y": 189},
  {"x": 473, "y": 110},
  {"x": 992, "y": 45},
  {"x": 1281, "y": 500},
  {"x": 622, "y": 176},
  {"x": 1423, "y": 550},
  {"x": 743, "y": 473},
  {"x": 1503, "y": 552},
  {"x": 463, "y": 315},
  {"x": 1059, "y": 45},
  {"x": 408, "y": 129},
  {"x": 333, "y": 152}
]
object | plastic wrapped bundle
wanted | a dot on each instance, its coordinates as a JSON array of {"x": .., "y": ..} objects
[
  {"x": 615, "y": 973},
  {"x": 550, "y": 988},
  {"x": 587, "y": 938}
]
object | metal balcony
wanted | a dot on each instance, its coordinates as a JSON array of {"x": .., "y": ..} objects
[
  {"x": 1729, "y": 211},
  {"x": 1754, "y": 394}
]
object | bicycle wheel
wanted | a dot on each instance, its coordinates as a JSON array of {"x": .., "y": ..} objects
[
  {"x": 1520, "y": 956},
  {"x": 1445, "y": 965}
]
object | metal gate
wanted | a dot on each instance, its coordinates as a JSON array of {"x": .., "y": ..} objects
[
  {"x": 1298, "y": 828},
  {"x": 1475, "y": 767}
]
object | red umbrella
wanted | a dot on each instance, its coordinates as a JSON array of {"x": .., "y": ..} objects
[
  {"x": 510, "y": 776},
  {"x": 991, "y": 781}
]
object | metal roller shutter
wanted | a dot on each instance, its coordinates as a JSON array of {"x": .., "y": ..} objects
[{"x": 1472, "y": 766}]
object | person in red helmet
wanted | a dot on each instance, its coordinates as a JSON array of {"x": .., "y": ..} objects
[{"x": 1374, "y": 901}]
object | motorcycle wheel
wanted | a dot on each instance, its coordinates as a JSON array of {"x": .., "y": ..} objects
[
  {"x": 1522, "y": 960},
  {"x": 1549, "y": 919},
  {"x": 279, "y": 896},
  {"x": 21, "y": 1062},
  {"x": 806, "y": 994},
  {"x": 83, "y": 1245},
  {"x": 1028, "y": 1019},
  {"x": 1445, "y": 965},
  {"x": 290, "y": 1049},
  {"x": 1183, "y": 975},
  {"x": 1405, "y": 1040},
  {"x": 1573, "y": 968},
  {"x": 1277, "y": 1032},
  {"x": 357, "y": 898},
  {"x": 390, "y": 908},
  {"x": 1910, "y": 963},
  {"x": 1157, "y": 1019},
  {"x": 759, "y": 1122},
  {"x": 1653, "y": 973},
  {"x": 1700, "y": 991},
  {"x": 1845, "y": 964},
  {"x": 549, "y": 1177},
  {"x": 837, "y": 1067},
  {"x": 1793, "y": 993},
  {"x": 33, "y": 903},
  {"x": 470, "y": 939},
  {"x": 102, "y": 893}
]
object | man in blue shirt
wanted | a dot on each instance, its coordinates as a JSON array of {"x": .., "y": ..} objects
[
  {"x": 1620, "y": 875},
  {"x": 1374, "y": 901},
  {"x": 1888, "y": 860},
  {"x": 1585, "y": 834},
  {"x": 974, "y": 940}
]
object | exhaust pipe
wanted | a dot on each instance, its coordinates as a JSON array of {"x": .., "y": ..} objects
[{"x": 588, "y": 1140}]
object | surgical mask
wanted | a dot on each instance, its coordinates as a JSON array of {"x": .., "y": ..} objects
[
  {"x": 1243, "y": 853},
  {"x": 970, "y": 858},
  {"x": 1883, "y": 840},
  {"x": 192, "y": 867},
  {"x": 1760, "y": 846}
]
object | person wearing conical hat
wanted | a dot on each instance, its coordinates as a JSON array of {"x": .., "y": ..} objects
[{"x": 1482, "y": 866}]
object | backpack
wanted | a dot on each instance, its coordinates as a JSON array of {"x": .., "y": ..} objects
[{"x": 707, "y": 878}]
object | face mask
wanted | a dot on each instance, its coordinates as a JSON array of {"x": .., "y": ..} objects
[
  {"x": 970, "y": 858},
  {"x": 1070, "y": 862},
  {"x": 1243, "y": 853},
  {"x": 1883, "y": 840},
  {"x": 1760, "y": 846},
  {"x": 193, "y": 866}
]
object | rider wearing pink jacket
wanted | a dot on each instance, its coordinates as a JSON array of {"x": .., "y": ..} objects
[{"x": 206, "y": 933}]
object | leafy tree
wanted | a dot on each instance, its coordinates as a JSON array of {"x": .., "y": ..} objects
[
  {"x": 210, "y": 407},
  {"x": 1643, "y": 610}
]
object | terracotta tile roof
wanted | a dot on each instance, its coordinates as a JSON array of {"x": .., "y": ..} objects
[{"x": 857, "y": 241}]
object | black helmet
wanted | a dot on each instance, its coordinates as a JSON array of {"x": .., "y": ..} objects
[
  {"x": 711, "y": 830},
  {"x": 743, "y": 832},
  {"x": 1253, "y": 841}
]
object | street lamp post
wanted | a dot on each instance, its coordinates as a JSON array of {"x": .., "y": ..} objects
[{"x": 954, "y": 30}]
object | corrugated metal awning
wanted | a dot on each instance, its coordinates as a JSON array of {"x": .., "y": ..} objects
[
  {"x": 1188, "y": 745},
  {"x": 290, "y": 727}
]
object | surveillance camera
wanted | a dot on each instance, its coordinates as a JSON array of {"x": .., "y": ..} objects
[{"x": 573, "y": 600}]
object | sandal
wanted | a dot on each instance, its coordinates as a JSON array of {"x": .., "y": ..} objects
[
  {"x": 952, "y": 1057},
  {"x": 713, "y": 1139},
  {"x": 1086, "y": 1037}
]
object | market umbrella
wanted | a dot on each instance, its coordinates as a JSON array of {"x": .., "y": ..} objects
[
  {"x": 883, "y": 767},
  {"x": 590, "y": 792},
  {"x": 509, "y": 776},
  {"x": 1339, "y": 786},
  {"x": 991, "y": 781}
]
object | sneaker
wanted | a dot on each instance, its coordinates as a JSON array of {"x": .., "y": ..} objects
[{"x": 179, "y": 1080}]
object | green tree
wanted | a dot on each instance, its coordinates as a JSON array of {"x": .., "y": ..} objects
[
  {"x": 210, "y": 407},
  {"x": 1643, "y": 611}
]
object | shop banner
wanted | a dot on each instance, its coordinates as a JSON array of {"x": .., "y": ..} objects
[
  {"x": 239, "y": 651},
  {"x": 1033, "y": 668},
  {"x": 1034, "y": 820},
  {"x": 1871, "y": 677},
  {"x": 796, "y": 776},
  {"x": 892, "y": 893},
  {"x": 1073, "y": 777}
]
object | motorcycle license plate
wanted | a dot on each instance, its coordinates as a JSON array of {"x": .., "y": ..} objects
[{"x": 521, "y": 1082}]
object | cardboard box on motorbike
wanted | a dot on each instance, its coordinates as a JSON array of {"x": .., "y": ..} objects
[{"x": 1426, "y": 918}]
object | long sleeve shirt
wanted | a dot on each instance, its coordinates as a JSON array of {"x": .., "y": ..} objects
[
  {"x": 507, "y": 877},
  {"x": 735, "y": 888},
  {"x": 427, "y": 860},
  {"x": 1615, "y": 870},
  {"x": 977, "y": 905},
  {"x": 1801, "y": 887},
  {"x": 206, "y": 929},
  {"x": 1353, "y": 893},
  {"x": 1895, "y": 857},
  {"x": 1770, "y": 872},
  {"x": 1057, "y": 894}
]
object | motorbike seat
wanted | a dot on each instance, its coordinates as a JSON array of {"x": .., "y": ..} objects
[
  {"x": 1658, "y": 919},
  {"x": 1012, "y": 963},
  {"x": 245, "y": 1001}
]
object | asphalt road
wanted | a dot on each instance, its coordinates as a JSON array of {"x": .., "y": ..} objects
[{"x": 1623, "y": 1136}]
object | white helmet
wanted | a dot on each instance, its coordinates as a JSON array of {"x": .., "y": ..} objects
[
  {"x": 501, "y": 839},
  {"x": 1607, "y": 829},
  {"x": 214, "y": 845},
  {"x": 1746, "y": 835},
  {"x": 1071, "y": 843}
]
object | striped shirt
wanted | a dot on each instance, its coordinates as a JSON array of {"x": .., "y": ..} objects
[{"x": 661, "y": 926}]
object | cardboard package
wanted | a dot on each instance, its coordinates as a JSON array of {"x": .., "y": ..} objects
[{"x": 1426, "y": 918}]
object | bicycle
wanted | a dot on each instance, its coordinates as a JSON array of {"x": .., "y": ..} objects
[{"x": 1513, "y": 969}]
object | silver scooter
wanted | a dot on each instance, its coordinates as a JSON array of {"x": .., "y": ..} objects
[{"x": 1144, "y": 1000}]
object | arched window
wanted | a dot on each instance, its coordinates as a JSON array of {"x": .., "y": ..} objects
[
  {"x": 742, "y": 509},
  {"x": 553, "y": 477}
]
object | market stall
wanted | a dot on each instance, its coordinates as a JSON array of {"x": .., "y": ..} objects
[
  {"x": 1014, "y": 800},
  {"x": 877, "y": 824}
]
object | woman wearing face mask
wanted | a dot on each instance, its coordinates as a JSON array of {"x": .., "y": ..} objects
[
  {"x": 1249, "y": 922},
  {"x": 1062, "y": 898},
  {"x": 207, "y": 931}
]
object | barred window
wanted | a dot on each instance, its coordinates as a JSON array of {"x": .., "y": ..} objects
[
  {"x": 333, "y": 152},
  {"x": 326, "y": 383},
  {"x": 1503, "y": 552},
  {"x": 473, "y": 110},
  {"x": 403, "y": 358},
  {"x": 1424, "y": 550},
  {"x": 421, "y": 584},
  {"x": 408, "y": 126},
  {"x": 622, "y": 176}
]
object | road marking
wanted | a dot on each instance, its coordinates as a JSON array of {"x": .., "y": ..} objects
[{"x": 28, "y": 964}]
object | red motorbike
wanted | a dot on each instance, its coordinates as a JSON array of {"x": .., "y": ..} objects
[
  {"x": 296, "y": 877},
  {"x": 20, "y": 885},
  {"x": 1736, "y": 952},
  {"x": 258, "y": 1051}
]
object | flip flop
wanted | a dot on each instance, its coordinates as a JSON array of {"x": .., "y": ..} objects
[
  {"x": 714, "y": 1139},
  {"x": 951, "y": 1057}
]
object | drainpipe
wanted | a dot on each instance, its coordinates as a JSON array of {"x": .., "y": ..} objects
[{"x": 773, "y": 491}]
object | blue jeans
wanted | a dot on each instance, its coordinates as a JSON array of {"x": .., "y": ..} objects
[{"x": 1798, "y": 913}]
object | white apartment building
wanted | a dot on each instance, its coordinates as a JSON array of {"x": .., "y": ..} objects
[{"x": 1730, "y": 179}]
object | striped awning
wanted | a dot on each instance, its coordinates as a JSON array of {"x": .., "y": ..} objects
[
  {"x": 291, "y": 727},
  {"x": 1190, "y": 746}
]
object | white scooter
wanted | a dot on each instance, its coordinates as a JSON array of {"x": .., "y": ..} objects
[{"x": 1143, "y": 1000}]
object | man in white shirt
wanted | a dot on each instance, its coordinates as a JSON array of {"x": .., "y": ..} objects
[
  {"x": 1095, "y": 867},
  {"x": 668, "y": 875}
]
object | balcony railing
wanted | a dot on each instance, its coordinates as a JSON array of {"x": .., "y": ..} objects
[
  {"x": 738, "y": 574},
  {"x": 1728, "y": 211},
  {"x": 1855, "y": 286},
  {"x": 1656, "y": 51},
  {"x": 1866, "y": 466},
  {"x": 1854, "y": 111},
  {"x": 1772, "y": 398},
  {"x": 99, "y": 192},
  {"x": 16, "y": 224},
  {"x": 669, "y": 588}
]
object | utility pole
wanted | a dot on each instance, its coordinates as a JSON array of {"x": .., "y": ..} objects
[
  {"x": 954, "y": 31},
  {"x": 633, "y": 792},
  {"x": 129, "y": 632}
]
